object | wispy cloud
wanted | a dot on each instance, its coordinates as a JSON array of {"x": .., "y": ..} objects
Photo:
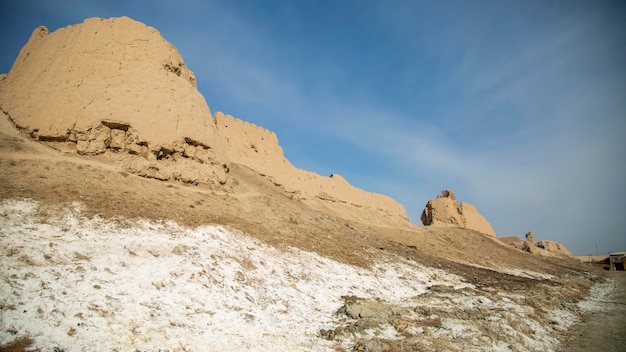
[
  {"x": 541, "y": 172},
  {"x": 518, "y": 107}
]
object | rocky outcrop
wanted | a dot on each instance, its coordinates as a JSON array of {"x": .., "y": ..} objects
[
  {"x": 554, "y": 247},
  {"x": 544, "y": 247},
  {"x": 114, "y": 85},
  {"x": 446, "y": 211},
  {"x": 529, "y": 244}
]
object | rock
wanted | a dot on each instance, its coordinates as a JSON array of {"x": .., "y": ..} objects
[
  {"x": 147, "y": 169},
  {"x": 118, "y": 138},
  {"x": 446, "y": 211},
  {"x": 367, "y": 310},
  {"x": 446, "y": 193},
  {"x": 327, "y": 334},
  {"x": 357, "y": 308},
  {"x": 376, "y": 346},
  {"x": 528, "y": 248},
  {"x": 93, "y": 141},
  {"x": 544, "y": 248},
  {"x": 529, "y": 244},
  {"x": 555, "y": 248}
]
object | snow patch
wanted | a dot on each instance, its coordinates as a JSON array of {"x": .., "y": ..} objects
[
  {"x": 92, "y": 285},
  {"x": 598, "y": 293}
]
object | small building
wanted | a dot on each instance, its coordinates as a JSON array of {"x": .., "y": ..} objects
[
  {"x": 610, "y": 261},
  {"x": 617, "y": 260}
]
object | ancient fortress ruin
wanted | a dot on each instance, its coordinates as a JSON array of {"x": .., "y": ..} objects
[
  {"x": 126, "y": 91},
  {"x": 446, "y": 211}
]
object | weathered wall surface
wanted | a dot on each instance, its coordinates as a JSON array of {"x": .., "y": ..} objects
[
  {"x": 446, "y": 211},
  {"x": 258, "y": 149},
  {"x": 554, "y": 247},
  {"x": 545, "y": 248},
  {"x": 474, "y": 220},
  {"x": 116, "y": 85},
  {"x": 251, "y": 145}
]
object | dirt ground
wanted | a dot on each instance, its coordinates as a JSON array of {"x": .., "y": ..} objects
[
  {"x": 256, "y": 206},
  {"x": 603, "y": 328},
  {"x": 252, "y": 204}
]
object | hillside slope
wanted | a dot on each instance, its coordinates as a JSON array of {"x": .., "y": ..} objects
[
  {"x": 250, "y": 203},
  {"x": 82, "y": 222},
  {"x": 119, "y": 232}
]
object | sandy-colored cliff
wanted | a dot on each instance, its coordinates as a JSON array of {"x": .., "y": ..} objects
[{"x": 446, "y": 211}]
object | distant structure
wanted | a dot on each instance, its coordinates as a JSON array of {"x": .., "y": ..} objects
[
  {"x": 611, "y": 261},
  {"x": 616, "y": 260},
  {"x": 545, "y": 247},
  {"x": 446, "y": 211}
]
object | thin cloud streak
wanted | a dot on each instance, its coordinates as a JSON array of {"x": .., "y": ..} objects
[
  {"x": 518, "y": 107},
  {"x": 560, "y": 162}
]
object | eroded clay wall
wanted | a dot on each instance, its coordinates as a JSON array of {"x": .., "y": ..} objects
[
  {"x": 446, "y": 211},
  {"x": 258, "y": 148},
  {"x": 117, "y": 70},
  {"x": 475, "y": 221},
  {"x": 115, "y": 85}
]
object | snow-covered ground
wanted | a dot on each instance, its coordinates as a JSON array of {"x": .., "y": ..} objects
[
  {"x": 598, "y": 295},
  {"x": 118, "y": 285},
  {"x": 90, "y": 284}
]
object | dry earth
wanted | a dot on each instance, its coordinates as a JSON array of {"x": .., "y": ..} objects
[
  {"x": 602, "y": 327},
  {"x": 250, "y": 203},
  {"x": 423, "y": 288}
]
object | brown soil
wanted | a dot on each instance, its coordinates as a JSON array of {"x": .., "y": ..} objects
[
  {"x": 254, "y": 205},
  {"x": 259, "y": 208},
  {"x": 19, "y": 345},
  {"x": 603, "y": 329}
]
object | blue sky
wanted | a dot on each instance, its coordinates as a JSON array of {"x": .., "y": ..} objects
[{"x": 517, "y": 106}]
